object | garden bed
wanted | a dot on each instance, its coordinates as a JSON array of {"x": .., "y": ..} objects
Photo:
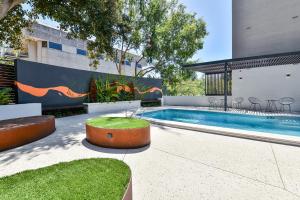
[
  {"x": 100, "y": 179},
  {"x": 118, "y": 132}
]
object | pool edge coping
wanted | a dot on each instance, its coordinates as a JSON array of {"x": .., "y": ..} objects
[{"x": 238, "y": 133}]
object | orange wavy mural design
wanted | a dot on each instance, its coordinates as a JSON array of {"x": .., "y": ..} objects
[
  {"x": 40, "y": 92},
  {"x": 150, "y": 90},
  {"x": 126, "y": 88}
]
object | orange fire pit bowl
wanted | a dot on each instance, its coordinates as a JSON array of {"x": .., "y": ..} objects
[
  {"x": 118, "y": 138},
  {"x": 20, "y": 131}
]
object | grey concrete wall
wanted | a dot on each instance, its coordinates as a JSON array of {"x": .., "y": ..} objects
[
  {"x": 40, "y": 75},
  {"x": 265, "y": 27}
]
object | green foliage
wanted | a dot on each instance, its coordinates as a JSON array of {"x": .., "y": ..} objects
[
  {"x": 162, "y": 31},
  {"x": 5, "y": 96},
  {"x": 95, "y": 178},
  {"x": 189, "y": 87},
  {"x": 182, "y": 82},
  {"x": 58, "y": 113},
  {"x": 6, "y": 62},
  {"x": 89, "y": 19},
  {"x": 11, "y": 28},
  {"x": 129, "y": 31},
  {"x": 173, "y": 36},
  {"x": 125, "y": 96},
  {"x": 106, "y": 92}
]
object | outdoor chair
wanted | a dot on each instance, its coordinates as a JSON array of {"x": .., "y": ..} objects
[
  {"x": 254, "y": 103},
  {"x": 237, "y": 102},
  {"x": 212, "y": 102},
  {"x": 286, "y": 102}
]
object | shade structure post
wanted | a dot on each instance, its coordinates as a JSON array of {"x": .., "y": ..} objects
[{"x": 225, "y": 85}]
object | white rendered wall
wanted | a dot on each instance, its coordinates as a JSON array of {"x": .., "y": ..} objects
[
  {"x": 267, "y": 83},
  {"x": 20, "y": 110},
  {"x": 201, "y": 101},
  {"x": 112, "y": 106}
]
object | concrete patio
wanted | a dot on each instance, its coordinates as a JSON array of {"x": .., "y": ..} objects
[{"x": 179, "y": 164}]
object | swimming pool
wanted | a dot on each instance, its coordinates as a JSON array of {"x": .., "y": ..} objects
[{"x": 281, "y": 125}]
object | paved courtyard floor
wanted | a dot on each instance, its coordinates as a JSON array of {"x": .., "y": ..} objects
[{"x": 179, "y": 164}]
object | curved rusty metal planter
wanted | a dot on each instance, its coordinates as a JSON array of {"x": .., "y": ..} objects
[
  {"x": 128, "y": 191},
  {"x": 20, "y": 131},
  {"x": 118, "y": 138}
]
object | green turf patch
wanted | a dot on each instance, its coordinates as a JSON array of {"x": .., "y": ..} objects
[
  {"x": 117, "y": 122},
  {"x": 101, "y": 179}
]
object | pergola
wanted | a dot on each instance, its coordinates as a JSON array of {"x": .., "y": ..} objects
[{"x": 225, "y": 66}]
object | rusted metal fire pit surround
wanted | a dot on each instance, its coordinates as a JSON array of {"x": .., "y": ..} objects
[
  {"x": 118, "y": 138},
  {"x": 21, "y": 131}
]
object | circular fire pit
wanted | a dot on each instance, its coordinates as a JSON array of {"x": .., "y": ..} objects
[
  {"x": 118, "y": 132},
  {"x": 20, "y": 131}
]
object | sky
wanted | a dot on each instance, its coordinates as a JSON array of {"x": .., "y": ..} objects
[{"x": 218, "y": 16}]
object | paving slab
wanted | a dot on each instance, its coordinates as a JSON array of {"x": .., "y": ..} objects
[
  {"x": 288, "y": 158},
  {"x": 162, "y": 176},
  {"x": 248, "y": 158}
]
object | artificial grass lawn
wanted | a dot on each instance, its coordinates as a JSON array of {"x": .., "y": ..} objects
[
  {"x": 117, "y": 122},
  {"x": 103, "y": 179}
]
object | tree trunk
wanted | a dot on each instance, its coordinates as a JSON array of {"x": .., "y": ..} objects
[{"x": 7, "y": 5}]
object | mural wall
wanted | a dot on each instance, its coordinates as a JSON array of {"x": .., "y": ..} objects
[{"x": 55, "y": 86}]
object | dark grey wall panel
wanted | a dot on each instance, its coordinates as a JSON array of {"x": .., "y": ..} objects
[{"x": 40, "y": 75}]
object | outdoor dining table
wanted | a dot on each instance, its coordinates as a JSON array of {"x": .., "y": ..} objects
[{"x": 271, "y": 103}]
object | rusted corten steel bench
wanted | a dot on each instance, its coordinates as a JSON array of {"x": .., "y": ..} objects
[{"x": 20, "y": 131}]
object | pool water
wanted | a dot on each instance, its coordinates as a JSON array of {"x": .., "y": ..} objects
[{"x": 283, "y": 125}]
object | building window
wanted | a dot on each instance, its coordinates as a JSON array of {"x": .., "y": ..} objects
[
  {"x": 139, "y": 66},
  {"x": 44, "y": 44},
  {"x": 127, "y": 62},
  {"x": 81, "y": 52},
  {"x": 56, "y": 46},
  {"x": 214, "y": 84}
]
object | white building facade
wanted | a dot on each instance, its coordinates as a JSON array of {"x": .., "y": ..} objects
[
  {"x": 266, "y": 56},
  {"x": 51, "y": 46},
  {"x": 264, "y": 27}
]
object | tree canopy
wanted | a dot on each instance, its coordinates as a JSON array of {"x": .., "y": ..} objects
[
  {"x": 92, "y": 20},
  {"x": 161, "y": 32}
]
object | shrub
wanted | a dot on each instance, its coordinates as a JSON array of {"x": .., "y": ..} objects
[
  {"x": 111, "y": 91},
  {"x": 5, "y": 96},
  {"x": 105, "y": 91}
]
